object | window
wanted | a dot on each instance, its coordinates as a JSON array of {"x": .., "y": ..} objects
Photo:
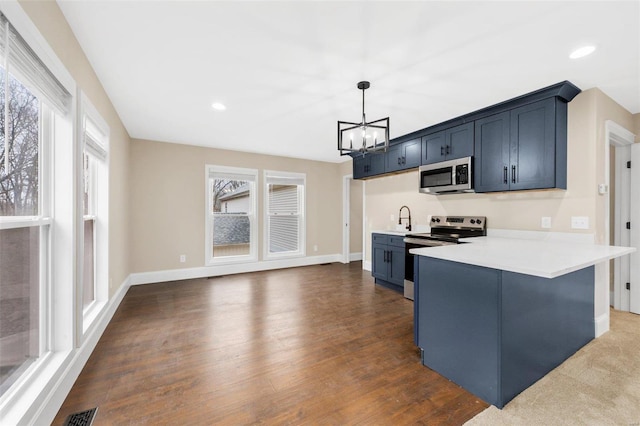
[
  {"x": 95, "y": 209},
  {"x": 231, "y": 215},
  {"x": 284, "y": 214},
  {"x": 31, "y": 102}
]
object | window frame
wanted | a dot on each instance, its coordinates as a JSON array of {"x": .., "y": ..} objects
[
  {"x": 16, "y": 405},
  {"x": 252, "y": 177},
  {"x": 302, "y": 200},
  {"x": 90, "y": 121},
  {"x": 43, "y": 221}
]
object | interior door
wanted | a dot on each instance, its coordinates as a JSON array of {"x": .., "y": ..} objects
[{"x": 634, "y": 293}]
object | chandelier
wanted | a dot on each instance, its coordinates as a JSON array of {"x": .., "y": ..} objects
[{"x": 372, "y": 137}]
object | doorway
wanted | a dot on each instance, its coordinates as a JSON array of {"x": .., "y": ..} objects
[
  {"x": 352, "y": 218},
  {"x": 623, "y": 210}
]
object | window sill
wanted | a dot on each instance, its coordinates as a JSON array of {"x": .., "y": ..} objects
[
  {"x": 90, "y": 314},
  {"x": 22, "y": 401}
]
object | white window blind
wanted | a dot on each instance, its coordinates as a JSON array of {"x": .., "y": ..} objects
[
  {"x": 285, "y": 196},
  {"x": 19, "y": 59}
]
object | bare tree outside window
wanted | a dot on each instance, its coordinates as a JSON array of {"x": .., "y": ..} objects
[
  {"x": 18, "y": 149},
  {"x": 19, "y": 246},
  {"x": 231, "y": 225}
]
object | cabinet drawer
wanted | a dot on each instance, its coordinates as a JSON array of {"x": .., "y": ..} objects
[
  {"x": 396, "y": 241},
  {"x": 380, "y": 239}
]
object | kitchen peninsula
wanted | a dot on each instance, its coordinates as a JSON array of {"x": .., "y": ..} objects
[{"x": 496, "y": 314}]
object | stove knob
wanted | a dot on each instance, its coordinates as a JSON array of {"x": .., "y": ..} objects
[
  {"x": 478, "y": 221},
  {"x": 438, "y": 220},
  {"x": 433, "y": 219},
  {"x": 473, "y": 221}
]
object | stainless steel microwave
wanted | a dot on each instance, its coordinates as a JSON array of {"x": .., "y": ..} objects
[{"x": 447, "y": 177}]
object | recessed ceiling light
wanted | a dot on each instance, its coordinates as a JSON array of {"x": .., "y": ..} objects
[
  {"x": 582, "y": 52},
  {"x": 218, "y": 106}
]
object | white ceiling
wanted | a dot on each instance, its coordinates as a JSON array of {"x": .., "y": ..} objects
[{"x": 287, "y": 71}]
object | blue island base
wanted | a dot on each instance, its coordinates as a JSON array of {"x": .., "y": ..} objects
[{"x": 496, "y": 332}]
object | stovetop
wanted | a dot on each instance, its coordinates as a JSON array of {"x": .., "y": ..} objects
[{"x": 452, "y": 228}]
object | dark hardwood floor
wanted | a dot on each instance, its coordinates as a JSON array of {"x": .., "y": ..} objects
[{"x": 312, "y": 345}]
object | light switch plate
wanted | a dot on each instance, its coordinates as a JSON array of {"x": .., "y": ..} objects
[
  {"x": 579, "y": 222},
  {"x": 545, "y": 222}
]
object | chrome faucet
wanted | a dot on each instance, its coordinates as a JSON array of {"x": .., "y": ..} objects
[{"x": 400, "y": 217}]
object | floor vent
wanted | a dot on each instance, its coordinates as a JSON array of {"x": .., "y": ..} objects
[{"x": 84, "y": 418}]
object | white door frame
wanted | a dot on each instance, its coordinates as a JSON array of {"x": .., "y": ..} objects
[
  {"x": 346, "y": 225},
  {"x": 634, "y": 258},
  {"x": 621, "y": 139}
]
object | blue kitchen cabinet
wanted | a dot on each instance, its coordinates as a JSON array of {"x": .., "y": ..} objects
[
  {"x": 368, "y": 165},
  {"x": 524, "y": 148},
  {"x": 491, "y": 161},
  {"x": 449, "y": 144},
  {"x": 387, "y": 265},
  {"x": 403, "y": 156},
  {"x": 496, "y": 332}
]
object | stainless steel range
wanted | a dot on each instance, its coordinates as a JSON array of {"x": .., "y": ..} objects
[{"x": 445, "y": 230}]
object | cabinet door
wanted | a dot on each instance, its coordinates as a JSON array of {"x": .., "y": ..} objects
[
  {"x": 358, "y": 167},
  {"x": 412, "y": 153},
  {"x": 433, "y": 148},
  {"x": 393, "y": 158},
  {"x": 376, "y": 164},
  {"x": 533, "y": 146},
  {"x": 379, "y": 261},
  {"x": 491, "y": 160},
  {"x": 368, "y": 165},
  {"x": 396, "y": 266},
  {"x": 459, "y": 141}
]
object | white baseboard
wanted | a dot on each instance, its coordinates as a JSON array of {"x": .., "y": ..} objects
[
  {"x": 601, "y": 324},
  {"x": 366, "y": 265},
  {"x": 238, "y": 268},
  {"x": 79, "y": 358},
  {"x": 354, "y": 257}
]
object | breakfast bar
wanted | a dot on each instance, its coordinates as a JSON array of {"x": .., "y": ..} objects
[{"x": 497, "y": 314}]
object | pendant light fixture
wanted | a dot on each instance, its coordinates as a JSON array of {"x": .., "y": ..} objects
[{"x": 363, "y": 137}]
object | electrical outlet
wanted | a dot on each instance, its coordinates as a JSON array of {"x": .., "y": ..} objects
[
  {"x": 545, "y": 222},
  {"x": 183, "y": 258},
  {"x": 393, "y": 217},
  {"x": 315, "y": 248},
  {"x": 579, "y": 222}
]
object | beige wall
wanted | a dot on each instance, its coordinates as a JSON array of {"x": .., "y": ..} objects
[
  {"x": 168, "y": 202},
  {"x": 50, "y": 21}
]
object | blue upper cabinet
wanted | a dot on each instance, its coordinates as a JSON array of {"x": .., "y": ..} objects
[
  {"x": 449, "y": 144},
  {"x": 525, "y": 148},
  {"x": 402, "y": 156},
  {"x": 491, "y": 161},
  {"x": 368, "y": 165},
  {"x": 516, "y": 144}
]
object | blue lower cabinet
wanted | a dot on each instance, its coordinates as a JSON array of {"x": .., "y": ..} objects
[
  {"x": 387, "y": 265},
  {"x": 495, "y": 332}
]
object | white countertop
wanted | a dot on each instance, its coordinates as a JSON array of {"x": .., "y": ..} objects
[{"x": 547, "y": 259}]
